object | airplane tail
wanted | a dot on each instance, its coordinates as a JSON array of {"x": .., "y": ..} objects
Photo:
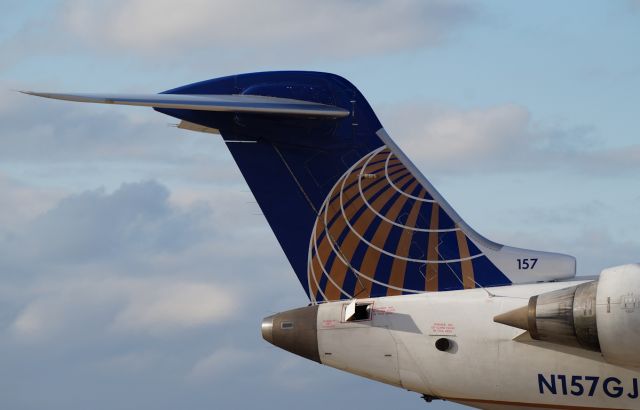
[{"x": 354, "y": 216}]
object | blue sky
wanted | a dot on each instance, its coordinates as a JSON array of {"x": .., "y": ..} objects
[{"x": 125, "y": 280}]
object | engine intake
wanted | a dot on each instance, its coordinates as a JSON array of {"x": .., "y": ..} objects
[{"x": 602, "y": 315}]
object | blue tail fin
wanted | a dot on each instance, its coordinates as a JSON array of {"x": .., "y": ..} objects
[{"x": 354, "y": 217}]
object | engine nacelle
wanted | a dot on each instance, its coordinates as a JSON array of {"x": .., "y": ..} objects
[
  {"x": 618, "y": 314},
  {"x": 603, "y": 316}
]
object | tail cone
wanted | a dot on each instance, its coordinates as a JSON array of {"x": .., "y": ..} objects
[{"x": 515, "y": 318}]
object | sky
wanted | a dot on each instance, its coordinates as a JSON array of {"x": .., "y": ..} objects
[{"x": 125, "y": 280}]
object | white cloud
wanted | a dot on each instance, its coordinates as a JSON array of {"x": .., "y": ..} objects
[
  {"x": 51, "y": 308},
  {"x": 222, "y": 362},
  {"x": 131, "y": 261},
  {"x": 137, "y": 361},
  {"x": 135, "y": 261},
  {"x": 21, "y": 202},
  {"x": 498, "y": 139},
  {"x": 219, "y": 30},
  {"x": 123, "y": 305},
  {"x": 610, "y": 160},
  {"x": 32, "y": 321},
  {"x": 452, "y": 138},
  {"x": 171, "y": 305},
  {"x": 133, "y": 221},
  {"x": 291, "y": 374},
  {"x": 203, "y": 230},
  {"x": 65, "y": 132}
]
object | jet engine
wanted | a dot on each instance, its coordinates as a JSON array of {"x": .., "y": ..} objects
[{"x": 602, "y": 315}]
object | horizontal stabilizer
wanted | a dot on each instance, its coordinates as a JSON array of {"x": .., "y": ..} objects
[{"x": 255, "y": 104}]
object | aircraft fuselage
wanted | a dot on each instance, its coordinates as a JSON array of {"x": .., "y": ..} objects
[{"x": 446, "y": 345}]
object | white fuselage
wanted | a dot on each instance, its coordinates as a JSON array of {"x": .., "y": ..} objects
[{"x": 488, "y": 365}]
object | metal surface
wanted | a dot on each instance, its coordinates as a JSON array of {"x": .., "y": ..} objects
[
  {"x": 554, "y": 316},
  {"x": 584, "y": 316},
  {"x": 566, "y": 316},
  {"x": 531, "y": 317},
  {"x": 267, "y": 329},
  {"x": 220, "y": 103},
  {"x": 518, "y": 318},
  {"x": 618, "y": 315},
  {"x": 295, "y": 331},
  {"x": 493, "y": 367}
]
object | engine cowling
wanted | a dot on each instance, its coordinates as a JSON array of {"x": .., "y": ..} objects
[{"x": 602, "y": 315}]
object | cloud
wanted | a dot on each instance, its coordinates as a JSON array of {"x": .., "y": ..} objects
[
  {"x": 123, "y": 305},
  {"x": 176, "y": 305},
  {"x": 135, "y": 260},
  {"x": 612, "y": 160},
  {"x": 37, "y": 130},
  {"x": 222, "y": 363},
  {"x": 331, "y": 27},
  {"x": 278, "y": 30},
  {"x": 139, "y": 286},
  {"x": 292, "y": 375},
  {"x": 499, "y": 139},
  {"x": 496, "y": 139},
  {"x": 21, "y": 202},
  {"x": 454, "y": 139},
  {"x": 135, "y": 220},
  {"x": 568, "y": 215},
  {"x": 139, "y": 229}
]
